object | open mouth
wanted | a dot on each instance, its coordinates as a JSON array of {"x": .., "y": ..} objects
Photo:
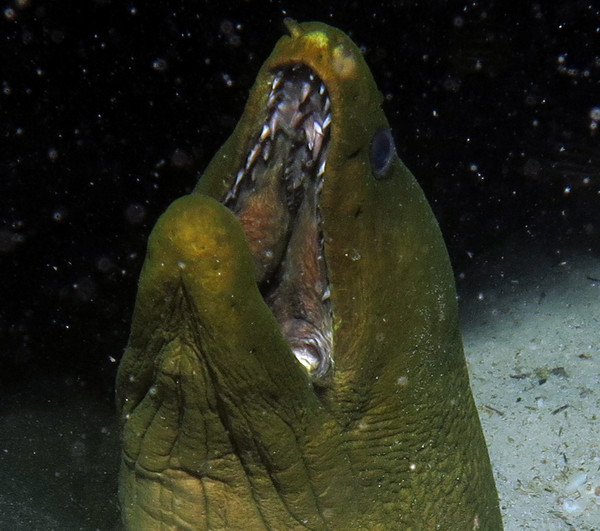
[{"x": 275, "y": 195}]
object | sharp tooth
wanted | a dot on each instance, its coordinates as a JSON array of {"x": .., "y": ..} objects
[
  {"x": 305, "y": 91},
  {"x": 326, "y": 294},
  {"x": 318, "y": 128},
  {"x": 327, "y": 105},
  {"x": 322, "y": 89},
  {"x": 276, "y": 82},
  {"x": 238, "y": 180},
  {"x": 318, "y": 143},
  {"x": 311, "y": 77},
  {"x": 253, "y": 154},
  {"x": 321, "y": 168},
  {"x": 296, "y": 119},
  {"x": 266, "y": 150},
  {"x": 273, "y": 122},
  {"x": 265, "y": 133},
  {"x": 310, "y": 134},
  {"x": 327, "y": 121}
]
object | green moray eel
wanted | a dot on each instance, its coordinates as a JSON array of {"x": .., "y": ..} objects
[{"x": 295, "y": 360}]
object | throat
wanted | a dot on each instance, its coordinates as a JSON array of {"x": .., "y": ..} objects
[{"x": 275, "y": 195}]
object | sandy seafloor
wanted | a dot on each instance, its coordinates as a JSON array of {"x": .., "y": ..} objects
[
  {"x": 531, "y": 328},
  {"x": 532, "y": 336}
]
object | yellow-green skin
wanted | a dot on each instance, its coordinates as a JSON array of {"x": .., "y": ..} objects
[{"x": 221, "y": 426}]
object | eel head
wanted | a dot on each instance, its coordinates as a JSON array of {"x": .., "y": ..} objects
[{"x": 295, "y": 360}]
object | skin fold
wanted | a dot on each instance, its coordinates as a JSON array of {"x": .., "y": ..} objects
[{"x": 222, "y": 426}]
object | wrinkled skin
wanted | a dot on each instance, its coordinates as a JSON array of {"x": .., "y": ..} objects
[{"x": 223, "y": 428}]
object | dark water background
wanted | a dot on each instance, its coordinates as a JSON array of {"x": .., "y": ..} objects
[{"x": 109, "y": 111}]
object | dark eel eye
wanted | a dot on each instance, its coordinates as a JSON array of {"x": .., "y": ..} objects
[{"x": 382, "y": 152}]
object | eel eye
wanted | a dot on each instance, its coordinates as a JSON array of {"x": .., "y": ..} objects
[{"x": 382, "y": 152}]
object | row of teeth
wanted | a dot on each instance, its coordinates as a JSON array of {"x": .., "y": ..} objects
[{"x": 314, "y": 125}]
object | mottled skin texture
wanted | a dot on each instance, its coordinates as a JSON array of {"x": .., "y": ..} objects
[{"x": 221, "y": 427}]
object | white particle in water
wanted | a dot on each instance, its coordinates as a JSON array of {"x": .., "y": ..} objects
[
  {"x": 353, "y": 254},
  {"x": 160, "y": 65},
  {"x": 402, "y": 381},
  {"x": 227, "y": 79}
]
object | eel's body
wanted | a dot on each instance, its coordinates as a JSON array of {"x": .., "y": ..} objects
[{"x": 295, "y": 360}]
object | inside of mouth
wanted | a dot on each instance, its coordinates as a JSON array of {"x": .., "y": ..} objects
[{"x": 275, "y": 195}]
